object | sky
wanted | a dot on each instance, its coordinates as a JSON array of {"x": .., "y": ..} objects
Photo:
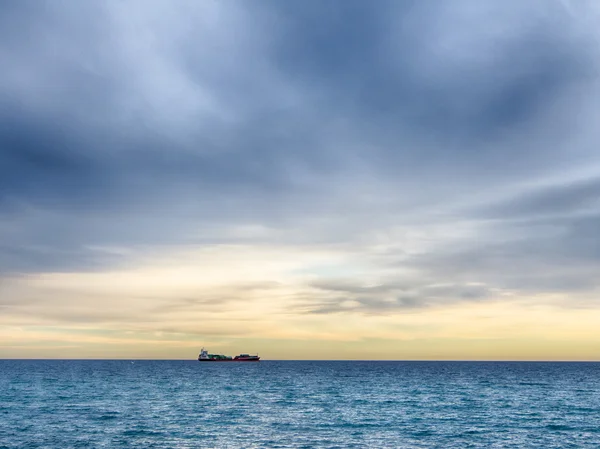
[{"x": 331, "y": 179}]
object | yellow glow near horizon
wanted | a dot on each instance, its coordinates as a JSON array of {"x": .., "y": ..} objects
[{"x": 259, "y": 300}]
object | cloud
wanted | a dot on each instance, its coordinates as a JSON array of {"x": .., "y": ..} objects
[
  {"x": 395, "y": 298},
  {"x": 555, "y": 200},
  {"x": 393, "y": 158}
]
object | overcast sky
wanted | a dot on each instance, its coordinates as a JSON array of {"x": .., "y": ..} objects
[{"x": 308, "y": 179}]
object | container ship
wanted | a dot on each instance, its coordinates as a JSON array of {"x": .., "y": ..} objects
[{"x": 204, "y": 356}]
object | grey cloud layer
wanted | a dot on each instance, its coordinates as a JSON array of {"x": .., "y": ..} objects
[{"x": 133, "y": 124}]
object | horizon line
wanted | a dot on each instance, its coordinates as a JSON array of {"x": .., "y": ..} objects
[{"x": 314, "y": 360}]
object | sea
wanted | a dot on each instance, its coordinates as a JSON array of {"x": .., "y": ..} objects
[{"x": 298, "y": 404}]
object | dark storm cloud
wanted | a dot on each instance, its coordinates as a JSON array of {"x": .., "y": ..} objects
[
  {"x": 385, "y": 77},
  {"x": 135, "y": 124},
  {"x": 39, "y": 160},
  {"x": 361, "y": 63}
]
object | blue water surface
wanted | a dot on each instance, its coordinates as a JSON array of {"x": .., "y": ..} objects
[{"x": 271, "y": 404}]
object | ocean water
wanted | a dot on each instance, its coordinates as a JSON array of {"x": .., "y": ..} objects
[{"x": 271, "y": 404}]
